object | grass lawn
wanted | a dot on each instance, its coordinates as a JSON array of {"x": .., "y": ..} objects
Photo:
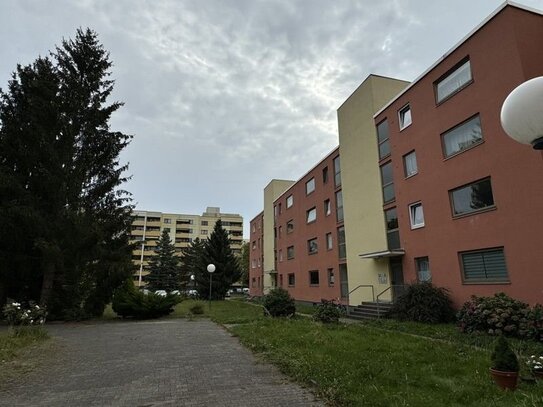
[
  {"x": 13, "y": 350},
  {"x": 365, "y": 365},
  {"x": 222, "y": 312}
]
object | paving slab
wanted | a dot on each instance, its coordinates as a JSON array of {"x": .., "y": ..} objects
[{"x": 172, "y": 362}]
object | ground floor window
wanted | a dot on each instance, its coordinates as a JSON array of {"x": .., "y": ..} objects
[
  {"x": 314, "y": 277},
  {"x": 331, "y": 277},
  {"x": 423, "y": 269},
  {"x": 484, "y": 266},
  {"x": 291, "y": 279}
]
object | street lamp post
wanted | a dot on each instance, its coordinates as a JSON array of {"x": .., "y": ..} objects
[
  {"x": 210, "y": 270},
  {"x": 522, "y": 113},
  {"x": 193, "y": 284}
]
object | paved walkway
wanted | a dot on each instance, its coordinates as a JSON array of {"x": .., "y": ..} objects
[{"x": 158, "y": 363}]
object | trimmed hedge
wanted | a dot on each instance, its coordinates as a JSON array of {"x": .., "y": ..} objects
[{"x": 328, "y": 312}]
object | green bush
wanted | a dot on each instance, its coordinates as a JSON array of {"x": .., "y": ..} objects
[
  {"x": 503, "y": 358},
  {"x": 501, "y": 315},
  {"x": 423, "y": 302},
  {"x": 197, "y": 308},
  {"x": 131, "y": 303},
  {"x": 279, "y": 303},
  {"x": 328, "y": 312}
]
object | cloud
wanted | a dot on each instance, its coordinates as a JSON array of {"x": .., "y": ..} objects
[{"x": 222, "y": 96}]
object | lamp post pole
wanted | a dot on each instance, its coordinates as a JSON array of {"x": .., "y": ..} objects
[{"x": 210, "y": 270}]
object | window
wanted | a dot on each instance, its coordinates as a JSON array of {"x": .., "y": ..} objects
[
  {"x": 462, "y": 137},
  {"x": 453, "y": 81},
  {"x": 290, "y": 252},
  {"x": 337, "y": 172},
  {"x": 339, "y": 206},
  {"x": 416, "y": 215},
  {"x": 253, "y": 262},
  {"x": 387, "y": 182},
  {"x": 310, "y": 186},
  {"x": 290, "y": 201},
  {"x": 167, "y": 220},
  {"x": 258, "y": 262},
  {"x": 382, "y": 139},
  {"x": 484, "y": 266},
  {"x": 254, "y": 230},
  {"x": 472, "y": 198},
  {"x": 167, "y": 229},
  {"x": 314, "y": 277},
  {"x": 331, "y": 277},
  {"x": 290, "y": 226},
  {"x": 254, "y": 244},
  {"x": 422, "y": 265},
  {"x": 204, "y": 223},
  {"x": 393, "y": 233},
  {"x": 253, "y": 282},
  {"x": 325, "y": 175},
  {"x": 329, "y": 243},
  {"x": 312, "y": 247},
  {"x": 280, "y": 231},
  {"x": 410, "y": 164},
  {"x": 275, "y": 209},
  {"x": 280, "y": 255},
  {"x": 311, "y": 215},
  {"x": 342, "y": 249},
  {"x": 291, "y": 279},
  {"x": 327, "y": 208},
  {"x": 204, "y": 232},
  {"x": 404, "y": 115}
]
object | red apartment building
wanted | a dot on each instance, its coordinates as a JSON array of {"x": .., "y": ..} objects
[
  {"x": 462, "y": 199},
  {"x": 256, "y": 256},
  {"x": 309, "y": 234}
]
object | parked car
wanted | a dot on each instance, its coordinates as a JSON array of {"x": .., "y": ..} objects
[{"x": 162, "y": 293}]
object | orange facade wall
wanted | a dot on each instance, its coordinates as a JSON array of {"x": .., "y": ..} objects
[
  {"x": 505, "y": 52},
  {"x": 256, "y": 256},
  {"x": 302, "y": 263}
]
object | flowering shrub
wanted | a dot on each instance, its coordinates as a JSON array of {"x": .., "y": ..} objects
[
  {"x": 501, "y": 314},
  {"x": 535, "y": 363},
  {"x": 17, "y": 315}
]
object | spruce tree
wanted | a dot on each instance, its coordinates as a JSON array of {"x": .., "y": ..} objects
[
  {"x": 59, "y": 183},
  {"x": 244, "y": 263},
  {"x": 193, "y": 264},
  {"x": 218, "y": 252},
  {"x": 164, "y": 269}
]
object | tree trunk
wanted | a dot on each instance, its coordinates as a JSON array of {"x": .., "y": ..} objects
[{"x": 47, "y": 284}]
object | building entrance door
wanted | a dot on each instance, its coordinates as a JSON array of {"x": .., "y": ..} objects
[
  {"x": 396, "y": 278},
  {"x": 344, "y": 281}
]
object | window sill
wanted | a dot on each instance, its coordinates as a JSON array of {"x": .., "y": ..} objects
[
  {"x": 486, "y": 282},
  {"x": 465, "y": 215},
  {"x": 309, "y": 223},
  {"x": 411, "y": 176},
  {"x": 460, "y": 89},
  {"x": 405, "y": 127},
  {"x": 310, "y": 254},
  {"x": 415, "y": 227},
  {"x": 313, "y": 285}
]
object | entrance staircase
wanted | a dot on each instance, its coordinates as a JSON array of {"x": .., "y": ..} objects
[{"x": 369, "y": 310}]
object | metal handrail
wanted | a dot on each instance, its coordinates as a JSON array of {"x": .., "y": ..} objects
[
  {"x": 361, "y": 286},
  {"x": 382, "y": 292}
]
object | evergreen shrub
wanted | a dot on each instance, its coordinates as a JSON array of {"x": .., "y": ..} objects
[
  {"x": 197, "y": 308},
  {"x": 503, "y": 358},
  {"x": 279, "y": 303},
  {"x": 423, "y": 302},
  {"x": 131, "y": 303}
]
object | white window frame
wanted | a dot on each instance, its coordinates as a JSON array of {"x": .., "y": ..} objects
[
  {"x": 406, "y": 171},
  {"x": 418, "y": 262},
  {"x": 290, "y": 201},
  {"x": 412, "y": 215},
  {"x": 312, "y": 211},
  {"x": 402, "y": 116},
  {"x": 452, "y": 76},
  {"x": 310, "y": 186}
]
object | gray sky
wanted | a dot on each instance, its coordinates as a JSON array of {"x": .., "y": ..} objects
[{"x": 223, "y": 96}]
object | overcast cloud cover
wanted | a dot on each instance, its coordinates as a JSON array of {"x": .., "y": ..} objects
[{"x": 223, "y": 96}]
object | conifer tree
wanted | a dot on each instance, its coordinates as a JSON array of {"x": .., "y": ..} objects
[
  {"x": 164, "y": 269},
  {"x": 193, "y": 263},
  {"x": 218, "y": 252},
  {"x": 59, "y": 183}
]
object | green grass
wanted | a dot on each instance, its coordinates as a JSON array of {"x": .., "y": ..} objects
[
  {"x": 364, "y": 365},
  {"x": 222, "y": 312},
  {"x": 15, "y": 347},
  {"x": 305, "y": 308}
]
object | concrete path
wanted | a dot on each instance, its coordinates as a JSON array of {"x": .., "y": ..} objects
[{"x": 157, "y": 363}]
